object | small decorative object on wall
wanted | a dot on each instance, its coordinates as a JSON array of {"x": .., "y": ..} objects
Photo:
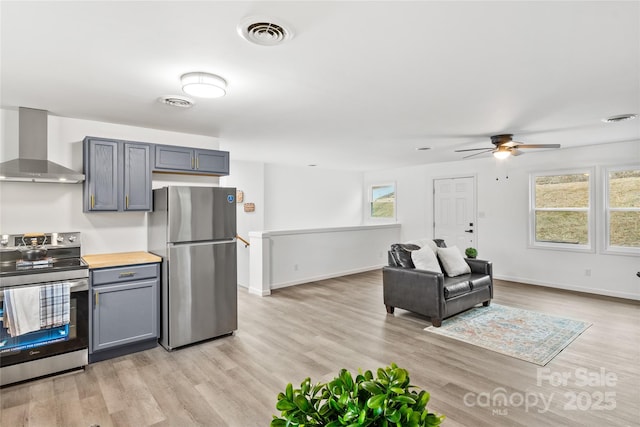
[
  {"x": 239, "y": 196},
  {"x": 249, "y": 207},
  {"x": 471, "y": 252}
]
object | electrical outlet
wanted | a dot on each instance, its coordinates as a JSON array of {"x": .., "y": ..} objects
[{"x": 587, "y": 272}]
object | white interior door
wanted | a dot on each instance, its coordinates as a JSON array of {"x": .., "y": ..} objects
[{"x": 454, "y": 205}]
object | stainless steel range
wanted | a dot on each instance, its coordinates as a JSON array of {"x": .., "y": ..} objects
[{"x": 43, "y": 305}]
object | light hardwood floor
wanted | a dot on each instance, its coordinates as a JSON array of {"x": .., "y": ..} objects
[{"x": 316, "y": 329}]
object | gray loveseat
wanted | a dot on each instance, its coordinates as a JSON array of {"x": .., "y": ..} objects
[{"x": 434, "y": 294}]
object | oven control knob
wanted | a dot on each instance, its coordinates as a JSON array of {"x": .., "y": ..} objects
[
  {"x": 72, "y": 238},
  {"x": 60, "y": 239},
  {"x": 4, "y": 242}
]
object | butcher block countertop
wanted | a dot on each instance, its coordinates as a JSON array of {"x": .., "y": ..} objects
[{"x": 119, "y": 259}]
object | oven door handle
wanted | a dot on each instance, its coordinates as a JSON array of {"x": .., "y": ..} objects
[{"x": 76, "y": 285}]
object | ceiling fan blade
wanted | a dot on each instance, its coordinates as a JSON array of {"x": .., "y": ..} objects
[
  {"x": 511, "y": 144},
  {"x": 473, "y": 149},
  {"x": 477, "y": 154},
  {"x": 539, "y": 146},
  {"x": 515, "y": 152}
]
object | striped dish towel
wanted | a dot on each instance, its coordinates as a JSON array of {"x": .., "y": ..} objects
[{"x": 54, "y": 304}]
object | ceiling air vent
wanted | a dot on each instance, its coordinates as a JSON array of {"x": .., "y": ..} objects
[
  {"x": 619, "y": 118},
  {"x": 264, "y": 31},
  {"x": 177, "y": 101}
]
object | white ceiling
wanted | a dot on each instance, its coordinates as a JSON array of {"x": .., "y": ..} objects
[{"x": 360, "y": 86}]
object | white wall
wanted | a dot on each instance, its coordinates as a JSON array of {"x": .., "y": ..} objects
[
  {"x": 290, "y": 257},
  {"x": 502, "y": 226},
  {"x": 293, "y": 197},
  {"x": 44, "y": 207},
  {"x": 311, "y": 197},
  {"x": 248, "y": 177}
]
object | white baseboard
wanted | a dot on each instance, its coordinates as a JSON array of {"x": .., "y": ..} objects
[
  {"x": 259, "y": 292},
  {"x": 597, "y": 291},
  {"x": 324, "y": 277}
]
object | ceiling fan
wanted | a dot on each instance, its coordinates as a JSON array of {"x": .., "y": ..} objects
[{"x": 505, "y": 146}]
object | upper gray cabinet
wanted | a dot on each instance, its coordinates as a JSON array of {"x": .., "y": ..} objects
[
  {"x": 118, "y": 175},
  {"x": 101, "y": 171},
  {"x": 170, "y": 158},
  {"x": 137, "y": 177}
]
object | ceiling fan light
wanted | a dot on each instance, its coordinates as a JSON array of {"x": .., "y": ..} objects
[
  {"x": 203, "y": 85},
  {"x": 501, "y": 154}
]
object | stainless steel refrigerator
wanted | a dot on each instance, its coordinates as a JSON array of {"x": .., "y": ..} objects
[{"x": 193, "y": 229}]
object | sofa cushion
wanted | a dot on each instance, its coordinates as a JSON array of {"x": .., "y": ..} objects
[
  {"x": 456, "y": 288},
  {"x": 425, "y": 259},
  {"x": 478, "y": 280},
  {"x": 402, "y": 254},
  {"x": 453, "y": 262}
]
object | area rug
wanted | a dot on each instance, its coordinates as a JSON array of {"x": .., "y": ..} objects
[{"x": 523, "y": 334}]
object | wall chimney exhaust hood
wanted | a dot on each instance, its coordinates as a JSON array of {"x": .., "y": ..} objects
[{"x": 32, "y": 164}]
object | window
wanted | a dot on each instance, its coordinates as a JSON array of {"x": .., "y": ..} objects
[
  {"x": 622, "y": 209},
  {"x": 561, "y": 207},
  {"x": 382, "y": 201}
]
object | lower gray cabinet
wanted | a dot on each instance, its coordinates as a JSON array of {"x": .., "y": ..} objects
[{"x": 125, "y": 310}]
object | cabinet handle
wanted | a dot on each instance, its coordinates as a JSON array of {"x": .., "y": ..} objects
[
  {"x": 128, "y": 274},
  {"x": 193, "y": 163},
  {"x": 92, "y": 201},
  {"x": 197, "y": 163},
  {"x": 126, "y": 201},
  {"x": 97, "y": 299}
]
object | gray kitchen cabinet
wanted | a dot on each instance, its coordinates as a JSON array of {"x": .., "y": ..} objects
[
  {"x": 137, "y": 177},
  {"x": 125, "y": 310},
  {"x": 101, "y": 170},
  {"x": 169, "y": 158},
  {"x": 118, "y": 175}
]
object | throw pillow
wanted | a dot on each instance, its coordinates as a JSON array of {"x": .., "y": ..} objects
[
  {"x": 453, "y": 261},
  {"x": 425, "y": 259}
]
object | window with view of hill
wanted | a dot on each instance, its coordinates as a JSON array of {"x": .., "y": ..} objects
[
  {"x": 561, "y": 210},
  {"x": 382, "y": 201},
  {"x": 622, "y": 209}
]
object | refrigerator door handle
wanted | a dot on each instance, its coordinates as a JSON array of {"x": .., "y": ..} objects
[{"x": 207, "y": 243}]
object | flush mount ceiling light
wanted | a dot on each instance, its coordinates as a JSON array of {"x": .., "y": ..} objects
[
  {"x": 264, "y": 31},
  {"x": 203, "y": 85},
  {"x": 619, "y": 118}
]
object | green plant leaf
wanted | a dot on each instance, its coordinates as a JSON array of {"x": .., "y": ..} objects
[
  {"x": 382, "y": 374},
  {"x": 372, "y": 387},
  {"x": 302, "y": 403},
  {"x": 423, "y": 399},
  {"x": 278, "y": 422},
  {"x": 285, "y": 405},
  {"x": 403, "y": 399},
  {"x": 376, "y": 401},
  {"x": 305, "y": 386},
  {"x": 289, "y": 391},
  {"x": 347, "y": 379},
  {"x": 362, "y": 416},
  {"x": 394, "y": 416}
]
